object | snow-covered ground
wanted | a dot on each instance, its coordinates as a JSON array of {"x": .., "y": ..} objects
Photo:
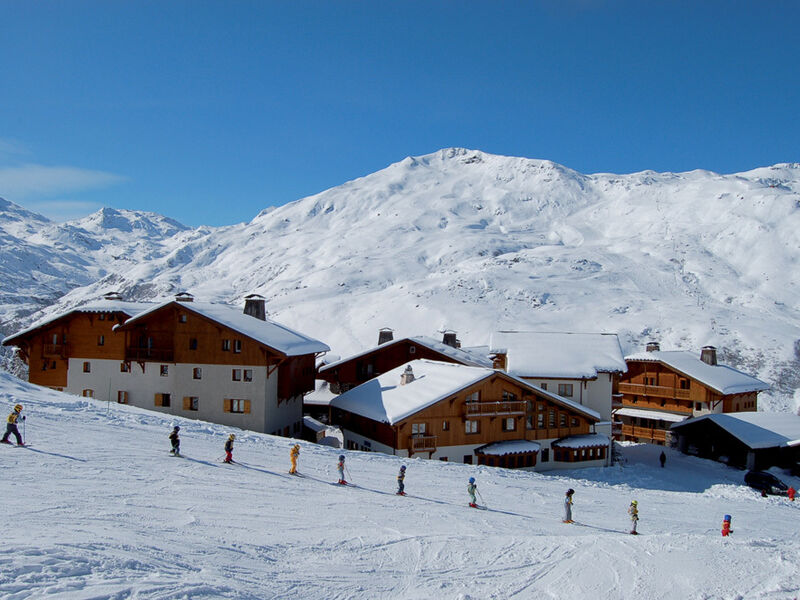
[{"x": 97, "y": 508}]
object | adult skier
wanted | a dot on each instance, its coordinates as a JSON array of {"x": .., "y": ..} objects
[
  {"x": 568, "y": 506},
  {"x": 633, "y": 511},
  {"x": 293, "y": 454},
  {"x": 662, "y": 459},
  {"x": 176, "y": 441},
  {"x": 472, "y": 489},
  {"x": 340, "y": 468},
  {"x": 400, "y": 479},
  {"x": 229, "y": 448},
  {"x": 11, "y": 425}
]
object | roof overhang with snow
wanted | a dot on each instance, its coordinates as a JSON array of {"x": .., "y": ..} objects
[
  {"x": 757, "y": 430},
  {"x": 650, "y": 414},
  {"x": 509, "y": 447}
]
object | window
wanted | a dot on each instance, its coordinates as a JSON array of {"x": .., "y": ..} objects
[
  {"x": 540, "y": 420},
  {"x": 635, "y": 399},
  {"x": 565, "y": 389},
  {"x": 248, "y": 375},
  {"x": 44, "y": 366},
  {"x": 684, "y": 384},
  {"x": 226, "y": 345},
  {"x": 562, "y": 420},
  {"x": 192, "y": 343},
  {"x": 474, "y": 397},
  {"x": 509, "y": 396},
  {"x": 197, "y": 373},
  {"x": 471, "y": 426},
  {"x": 573, "y": 422},
  {"x": 418, "y": 428},
  {"x": 445, "y": 425},
  {"x": 88, "y": 393},
  {"x": 236, "y": 375},
  {"x": 551, "y": 419},
  {"x": 468, "y": 459},
  {"x": 101, "y": 317},
  {"x": 87, "y": 367},
  {"x": 164, "y": 370},
  {"x": 162, "y": 400},
  {"x": 546, "y": 455},
  {"x": 233, "y": 405},
  {"x": 443, "y": 458},
  {"x": 182, "y": 318},
  {"x": 509, "y": 424},
  {"x": 412, "y": 349},
  {"x": 124, "y": 367},
  {"x": 191, "y": 403},
  {"x": 544, "y": 386},
  {"x": 122, "y": 397},
  {"x": 237, "y": 346},
  {"x": 101, "y": 340},
  {"x": 697, "y": 405}
]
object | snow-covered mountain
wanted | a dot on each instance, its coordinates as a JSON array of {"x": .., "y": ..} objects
[{"x": 474, "y": 242}]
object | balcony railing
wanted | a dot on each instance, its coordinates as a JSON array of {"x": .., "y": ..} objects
[
  {"x": 660, "y": 391},
  {"x": 423, "y": 443},
  {"x": 54, "y": 350},
  {"x": 495, "y": 409},
  {"x": 150, "y": 354},
  {"x": 657, "y": 435}
]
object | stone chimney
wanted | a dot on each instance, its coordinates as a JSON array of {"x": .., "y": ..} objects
[
  {"x": 407, "y": 376},
  {"x": 709, "y": 355},
  {"x": 449, "y": 338},
  {"x": 652, "y": 347},
  {"x": 112, "y": 296},
  {"x": 256, "y": 306},
  {"x": 385, "y": 335},
  {"x": 184, "y": 297}
]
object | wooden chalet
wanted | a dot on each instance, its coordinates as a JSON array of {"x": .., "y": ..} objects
[
  {"x": 199, "y": 360},
  {"x": 662, "y": 388},
  {"x": 468, "y": 414},
  {"x": 582, "y": 367}
]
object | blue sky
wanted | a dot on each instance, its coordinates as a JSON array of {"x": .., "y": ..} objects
[{"x": 208, "y": 112}]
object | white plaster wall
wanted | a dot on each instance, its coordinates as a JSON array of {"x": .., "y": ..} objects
[
  {"x": 375, "y": 446},
  {"x": 216, "y": 385}
]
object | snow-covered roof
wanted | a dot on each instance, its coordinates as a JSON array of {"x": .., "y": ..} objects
[
  {"x": 313, "y": 424},
  {"x": 721, "y": 378},
  {"x": 509, "y": 447},
  {"x": 559, "y": 354},
  {"x": 591, "y": 440},
  {"x": 321, "y": 396},
  {"x": 271, "y": 334},
  {"x": 755, "y": 429},
  {"x": 383, "y": 399},
  {"x": 650, "y": 414},
  {"x": 102, "y": 306},
  {"x": 470, "y": 357}
]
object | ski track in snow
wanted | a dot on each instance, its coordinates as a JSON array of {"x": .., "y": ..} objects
[{"x": 101, "y": 510}]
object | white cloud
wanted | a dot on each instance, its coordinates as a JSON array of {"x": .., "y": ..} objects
[{"x": 26, "y": 181}]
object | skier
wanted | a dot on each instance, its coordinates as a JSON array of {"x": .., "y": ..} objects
[
  {"x": 726, "y": 526},
  {"x": 293, "y": 454},
  {"x": 400, "y": 481},
  {"x": 229, "y": 448},
  {"x": 568, "y": 506},
  {"x": 633, "y": 511},
  {"x": 791, "y": 492},
  {"x": 340, "y": 468},
  {"x": 662, "y": 459},
  {"x": 472, "y": 489},
  {"x": 176, "y": 441},
  {"x": 11, "y": 426}
]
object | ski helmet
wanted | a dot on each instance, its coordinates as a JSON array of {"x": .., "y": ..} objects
[
  {"x": 176, "y": 428},
  {"x": 232, "y": 436},
  {"x": 18, "y": 408},
  {"x": 341, "y": 457},
  {"x": 570, "y": 491},
  {"x": 726, "y": 518},
  {"x": 472, "y": 480},
  {"x": 634, "y": 502},
  {"x": 403, "y": 468}
]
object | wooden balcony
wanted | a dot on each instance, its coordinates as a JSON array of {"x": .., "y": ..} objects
[
  {"x": 54, "y": 350},
  {"x": 422, "y": 443},
  {"x": 659, "y": 391},
  {"x": 616, "y": 401},
  {"x": 494, "y": 409},
  {"x": 646, "y": 433},
  {"x": 150, "y": 354}
]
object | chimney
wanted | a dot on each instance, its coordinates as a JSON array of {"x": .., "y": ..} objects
[
  {"x": 652, "y": 347},
  {"x": 184, "y": 297},
  {"x": 112, "y": 296},
  {"x": 256, "y": 306},
  {"x": 709, "y": 355},
  {"x": 407, "y": 376},
  {"x": 385, "y": 335},
  {"x": 449, "y": 338}
]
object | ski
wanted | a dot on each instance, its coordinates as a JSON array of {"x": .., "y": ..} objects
[{"x": 479, "y": 506}]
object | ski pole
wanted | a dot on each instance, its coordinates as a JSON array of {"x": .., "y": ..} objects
[
  {"x": 481, "y": 497},
  {"x": 350, "y": 477}
]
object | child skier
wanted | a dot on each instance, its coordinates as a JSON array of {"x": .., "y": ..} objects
[
  {"x": 293, "y": 454},
  {"x": 229, "y": 448},
  {"x": 791, "y": 492},
  {"x": 568, "y": 506},
  {"x": 726, "y": 526},
  {"x": 340, "y": 468},
  {"x": 176, "y": 441},
  {"x": 400, "y": 479},
  {"x": 11, "y": 426},
  {"x": 633, "y": 511},
  {"x": 472, "y": 489}
]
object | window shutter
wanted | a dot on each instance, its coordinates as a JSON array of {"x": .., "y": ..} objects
[
  {"x": 187, "y": 403},
  {"x": 226, "y": 405},
  {"x": 247, "y": 407},
  {"x": 158, "y": 400}
]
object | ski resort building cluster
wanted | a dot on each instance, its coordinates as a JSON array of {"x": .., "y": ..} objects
[{"x": 529, "y": 400}]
